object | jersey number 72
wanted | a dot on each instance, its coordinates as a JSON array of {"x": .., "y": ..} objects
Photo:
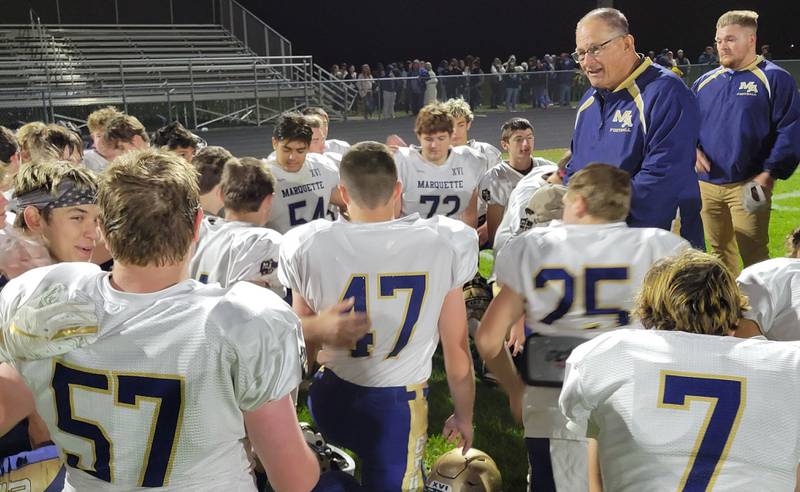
[{"x": 388, "y": 285}]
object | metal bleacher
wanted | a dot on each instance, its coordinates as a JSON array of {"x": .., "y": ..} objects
[{"x": 210, "y": 69}]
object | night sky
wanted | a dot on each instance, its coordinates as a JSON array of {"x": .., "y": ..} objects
[
  {"x": 368, "y": 31},
  {"x": 361, "y": 31}
]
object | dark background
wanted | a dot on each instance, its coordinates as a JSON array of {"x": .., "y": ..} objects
[{"x": 368, "y": 31}]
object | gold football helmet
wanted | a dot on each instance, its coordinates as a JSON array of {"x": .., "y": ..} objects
[{"x": 474, "y": 472}]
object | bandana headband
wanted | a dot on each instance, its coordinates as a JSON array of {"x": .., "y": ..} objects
[{"x": 68, "y": 195}]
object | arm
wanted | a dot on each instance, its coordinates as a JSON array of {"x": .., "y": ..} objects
[
  {"x": 276, "y": 437},
  {"x": 503, "y": 312},
  {"x": 785, "y": 119},
  {"x": 673, "y": 126},
  {"x": 470, "y": 215},
  {"x": 458, "y": 366},
  {"x": 494, "y": 214},
  {"x": 16, "y": 400},
  {"x": 595, "y": 476}
]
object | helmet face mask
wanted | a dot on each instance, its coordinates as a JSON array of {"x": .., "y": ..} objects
[{"x": 474, "y": 472}]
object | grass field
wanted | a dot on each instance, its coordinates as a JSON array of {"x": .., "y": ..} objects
[{"x": 495, "y": 431}]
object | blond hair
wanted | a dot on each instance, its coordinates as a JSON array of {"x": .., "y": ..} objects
[
  {"x": 314, "y": 121},
  {"x": 433, "y": 118},
  {"x": 148, "y": 204},
  {"x": 459, "y": 108},
  {"x": 40, "y": 142},
  {"x": 693, "y": 292},
  {"x": 744, "y": 18},
  {"x": 246, "y": 182},
  {"x": 48, "y": 176},
  {"x": 98, "y": 119},
  {"x": 606, "y": 190}
]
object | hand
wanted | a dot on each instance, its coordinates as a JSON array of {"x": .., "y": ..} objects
[
  {"x": 516, "y": 339},
  {"x": 346, "y": 325},
  {"x": 50, "y": 323},
  {"x": 458, "y": 431},
  {"x": 18, "y": 255},
  {"x": 765, "y": 180},
  {"x": 483, "y": 234},
  {"x": 702, "y": 164},
  {"x": 394, "y": 142}
]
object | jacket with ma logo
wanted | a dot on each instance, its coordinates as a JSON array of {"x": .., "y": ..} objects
[
  {"x": 750, "y": 121},
  {"x": 647, "y": 126}
]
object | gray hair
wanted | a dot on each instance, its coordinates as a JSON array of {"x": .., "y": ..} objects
[{"x": 613, "y": 18}]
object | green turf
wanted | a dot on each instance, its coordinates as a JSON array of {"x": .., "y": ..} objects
[{"x": 495, "y": 431}]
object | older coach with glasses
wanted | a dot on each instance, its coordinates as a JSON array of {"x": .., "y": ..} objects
[{"x": 640, "y": 117}]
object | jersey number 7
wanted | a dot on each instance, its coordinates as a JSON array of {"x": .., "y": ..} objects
[
  {"x": 388, "y": 285},
  {"x": 725, "y": 396}
]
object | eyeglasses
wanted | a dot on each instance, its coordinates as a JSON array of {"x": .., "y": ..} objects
[{"x": 594, "y": 50}]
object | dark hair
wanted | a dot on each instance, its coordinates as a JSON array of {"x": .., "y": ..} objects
[
  {"x": 209, "y": 163},
  {"x": 513, "y": 125},
  {"x": 245, "y": 183},
  {"x": 292, "y": 126},
  {"x": 369, "y": 174},
  {"x": 173, "y": 136},
  {"x": 8, "y": 145},
  {"x": 123, "y": 128}
]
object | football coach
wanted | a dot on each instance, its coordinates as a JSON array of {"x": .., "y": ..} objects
[{"x": 640, "y": 117}]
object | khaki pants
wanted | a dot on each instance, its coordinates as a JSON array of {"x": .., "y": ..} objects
[{"x": 729, "y": 229}]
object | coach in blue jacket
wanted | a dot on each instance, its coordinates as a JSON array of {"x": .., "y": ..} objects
[
  {"x": 749, "y": 136},
  {"x": 641, "y": 117}
]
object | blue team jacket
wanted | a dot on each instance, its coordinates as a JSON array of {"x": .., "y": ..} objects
[
  {"x": 647, "y": 126},
  {"x": 750, "y": 122}
]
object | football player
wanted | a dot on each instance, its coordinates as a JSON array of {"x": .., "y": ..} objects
[
  {"x": 39, "y": 142},
  {"x": 371, "y": 396},
  {"x": 239, "y": 247},
  {"x": 179, "y": 371},
  {"x": 304, "y": 186},
  {"x": 681, "y": 406},
  {"x": 773, "y": 289},
  {"x": 437, "y": 178},
  {"x": 330, "y": 145},
  {"x": 124, "y": 133},
  {"x": 55, "y": 206},
  {"x": 459, "y": 110},
  {"x": 175, "y": 138},
  {"x": 209, "y": 163},
  {"x": 96, "y": 158},
  {"x": 578, "y": 278},
  {"x": 497, "y": 183}
]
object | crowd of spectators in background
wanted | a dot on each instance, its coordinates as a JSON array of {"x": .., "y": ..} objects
[{"x": 541, "y": 82}]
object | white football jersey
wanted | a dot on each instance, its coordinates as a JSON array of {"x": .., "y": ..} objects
[
  {"x": 94, "y": 161},
  {"x": 338, "y": 146},
  {"x": 679, "y": 411},
  {"x": 491, "y": 153},
  {"x": 497, "y": 183},
  {"x": 157, "y": 400},
  {"x": 230, "y": 251},
  {"x": 302, "y": 196},
  {"x": 515, "y": 219},
  {"x": 401, "y": 290},
  {"x": 773, "y": 287},
  {"x": 577, "y": 280},
  {"x": 446, "y": 189}
]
